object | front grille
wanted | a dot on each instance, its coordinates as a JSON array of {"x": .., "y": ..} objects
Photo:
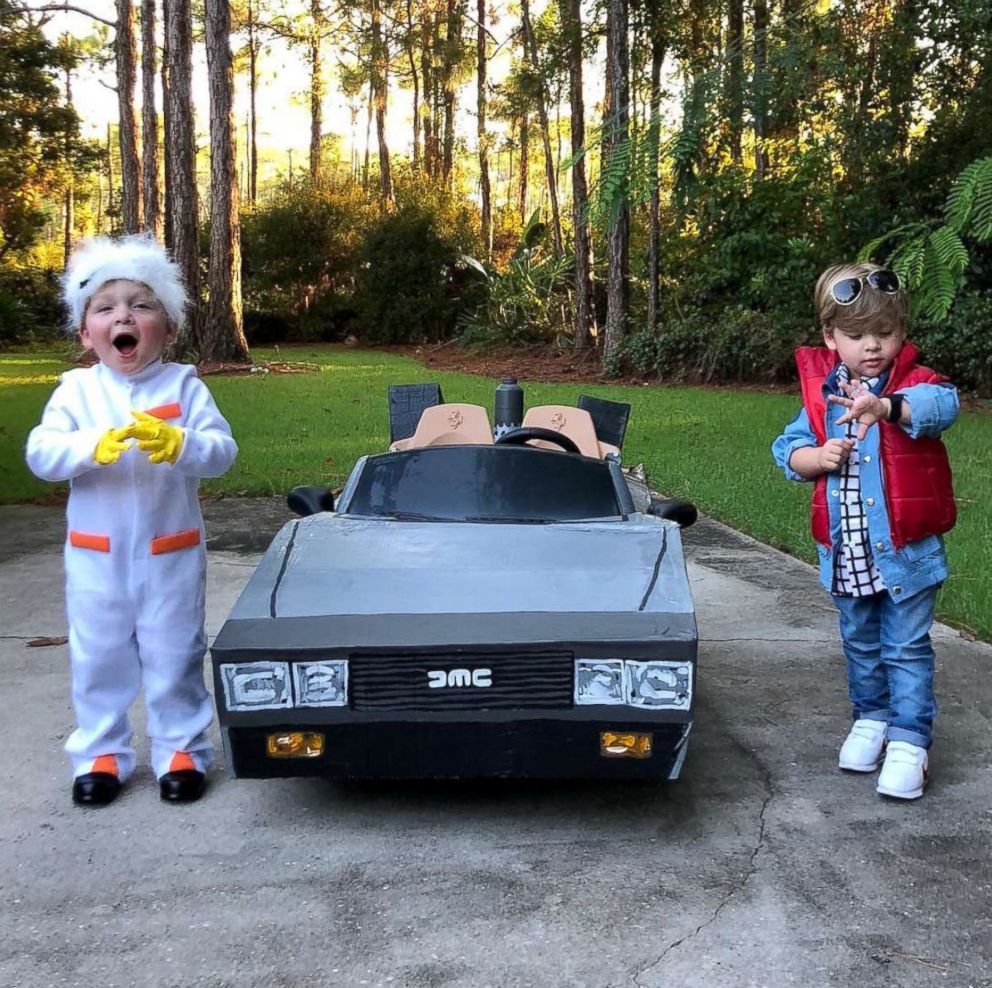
[{"x": 537, "y": 680}]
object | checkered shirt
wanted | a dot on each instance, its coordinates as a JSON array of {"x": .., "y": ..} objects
[{"x": 855, "y": 573}]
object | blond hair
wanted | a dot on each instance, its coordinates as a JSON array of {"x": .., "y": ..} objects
[{"x": 870, "y": 305}]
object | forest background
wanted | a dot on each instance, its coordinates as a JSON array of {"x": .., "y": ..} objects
[{"x": 662, "y": 180}]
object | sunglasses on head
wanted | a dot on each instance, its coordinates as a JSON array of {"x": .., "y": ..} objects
[{"x": 847, "y": 291}]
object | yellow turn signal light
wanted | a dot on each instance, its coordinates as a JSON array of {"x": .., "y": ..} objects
[
  {"x": 295, "y": 744},
  {"x": 616, "y": 744}
]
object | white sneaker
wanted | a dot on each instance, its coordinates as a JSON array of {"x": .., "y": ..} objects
[
  {"x": 904, "y": 773},
  {"x": 863, "y": 747}
]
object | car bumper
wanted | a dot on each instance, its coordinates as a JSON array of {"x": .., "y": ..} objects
[{"x": 416, "y": 749}]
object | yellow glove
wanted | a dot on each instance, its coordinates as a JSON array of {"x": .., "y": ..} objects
[
  {"x": 162, "y": 441},
  {"x": 112, "y": 443}
]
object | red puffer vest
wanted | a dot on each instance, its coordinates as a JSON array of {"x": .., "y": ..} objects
[{"x": 916, "y": 474}]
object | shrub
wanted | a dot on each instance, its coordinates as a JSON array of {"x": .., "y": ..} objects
[
  {"x": 411, "y": 282},
  {"x": 738, "y": 345},
  {"x": 959, "y": 347},
  {"x": 300, "y": 254},
  {"x": 16, "y": 323},
  {"x": 31, "y": 306},
  {"x": 527, "y": 302}
]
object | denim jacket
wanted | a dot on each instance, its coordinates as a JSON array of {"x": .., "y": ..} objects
[{"x": 918, "y": 565}]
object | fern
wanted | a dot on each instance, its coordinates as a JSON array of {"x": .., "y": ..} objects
[
  {"x": 931, "y": 258},
  {"x": 981, "y": 218},
  {"x": 611, "y": 191},
  {"x": 948, "y": 247},
  {"x": 969, "y": 203},
  {"x": 907, "y": 260},
  {"x": 871, "y": 248},
  {"x": 939, "y": 286}
]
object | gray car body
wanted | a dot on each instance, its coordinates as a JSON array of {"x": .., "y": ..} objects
[{"x": 333, "y": 585}]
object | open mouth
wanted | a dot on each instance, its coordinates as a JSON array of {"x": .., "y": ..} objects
[{"x": 125, "y": 344}]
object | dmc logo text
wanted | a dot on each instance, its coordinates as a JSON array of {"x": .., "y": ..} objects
[{"x": 438, "y": 678}]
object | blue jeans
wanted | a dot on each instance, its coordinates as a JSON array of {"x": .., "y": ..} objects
[{"x": 890, "y": 662}]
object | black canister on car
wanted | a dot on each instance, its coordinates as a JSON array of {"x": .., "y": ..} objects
[{"x": 508, "y": 407}]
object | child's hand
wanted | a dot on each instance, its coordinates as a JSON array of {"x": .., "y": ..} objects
[
  {"x": 862, "y": 407},
  {"x": 833, "y": 453},
  {"x": 163, "y": 442},
  {"x": 111, "y": 445}
]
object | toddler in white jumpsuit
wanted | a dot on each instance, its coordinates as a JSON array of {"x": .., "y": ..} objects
[{"x": 133, "y": 436}]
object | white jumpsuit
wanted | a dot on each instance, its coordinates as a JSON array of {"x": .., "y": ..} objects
[{"x": 135, "y": 560}]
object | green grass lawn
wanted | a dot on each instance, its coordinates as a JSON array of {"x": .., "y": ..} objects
[{"x": 710, "y": 446}]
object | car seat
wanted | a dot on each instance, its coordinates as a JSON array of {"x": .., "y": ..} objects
[
  {"x": 407, "y": 403},
  {"x": 453, "y": 424},
  {"x": 576, "y": 423},
  {"x": 609, "y": 417}
]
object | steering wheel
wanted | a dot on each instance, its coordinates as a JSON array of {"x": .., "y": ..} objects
[{"x": 523, "y": 435}]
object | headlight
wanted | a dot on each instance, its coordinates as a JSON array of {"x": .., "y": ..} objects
[
  {"x": 321, "y": 684},
  {"x": 654, "y": 685},
  {"x": 659, "y": 685},
  {"x": 599, "y": 681},
  {"x": 256, "y": 685}
]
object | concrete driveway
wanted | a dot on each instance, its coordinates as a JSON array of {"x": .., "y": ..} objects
[{"x": 762, "y": 866}]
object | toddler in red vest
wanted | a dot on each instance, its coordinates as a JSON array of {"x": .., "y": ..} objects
[{"x": 868, "y": 436}]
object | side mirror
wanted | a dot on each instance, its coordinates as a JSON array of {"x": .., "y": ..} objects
[
  {"x": 682, "y": 513},
  {"x": 310, "y": 500}
]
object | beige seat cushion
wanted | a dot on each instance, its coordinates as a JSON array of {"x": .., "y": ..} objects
[
  {"x": 575, "y": 423},
  {"x": 453, "y": 424}
]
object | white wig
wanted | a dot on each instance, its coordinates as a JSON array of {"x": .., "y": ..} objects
[{"x": 135, "y": 258}]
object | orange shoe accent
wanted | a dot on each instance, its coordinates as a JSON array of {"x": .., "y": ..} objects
[
  {"x": 180, "y": 540},
  {"x": 100, "y": 543},
  {"x": 181, "y": 762},
  {"x": 171, "y": 411},
  {"x": 106, "y": 764}
]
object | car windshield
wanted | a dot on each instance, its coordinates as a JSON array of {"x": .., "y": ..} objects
[{"x": 484, "y": 483}]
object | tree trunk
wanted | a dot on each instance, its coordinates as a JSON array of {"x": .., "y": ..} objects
[
  {"x": 222, "y": 336},
  {"x": 69, "y": 201},
  {"x": 607, "y": 93},
  {"x": 524, "y": 167},
  {"x": 427, "y": 74},
  {"x": 316, "y": 89},
  {"x": 618, "y": 234},
  {"x": 380, "y": 87},
  {"x": 415, "y": 77},
  {"x": 126, "y": 59},
  {"x": 149, "y": 122},
  {"x": 253, "y": 97},
  {"x": 353, "y": 108},
  {"x": 760, "y": 88},
  {"x": 110, "y": 178},
  {"x": 180, "y": 150},
  {"x": 166, "y": 129},
  {"x": 481, "y": 65},
  {"x": 453, "y": 33},
  {"x": 584, "y": 316},
  {"x": 542, "y": 111},
  {"x": 659, "y": 45},
  {"x": 734, "y": 88},
  {"x": 368, "y": 133}
]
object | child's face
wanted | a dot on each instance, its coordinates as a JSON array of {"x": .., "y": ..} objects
[
  {"x": 125, "y": 325},
  {"x": 867, "y": 350}
]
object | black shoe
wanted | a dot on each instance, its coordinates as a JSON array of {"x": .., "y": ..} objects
[
  {"x": 95, "y": 789},
  {"x": 184, "y": 786}
]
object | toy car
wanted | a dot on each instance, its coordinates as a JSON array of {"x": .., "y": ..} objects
[{"x": 467, "y": 608}]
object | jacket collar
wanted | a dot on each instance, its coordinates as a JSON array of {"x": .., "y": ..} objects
[{"x": 820, "y": 362}]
